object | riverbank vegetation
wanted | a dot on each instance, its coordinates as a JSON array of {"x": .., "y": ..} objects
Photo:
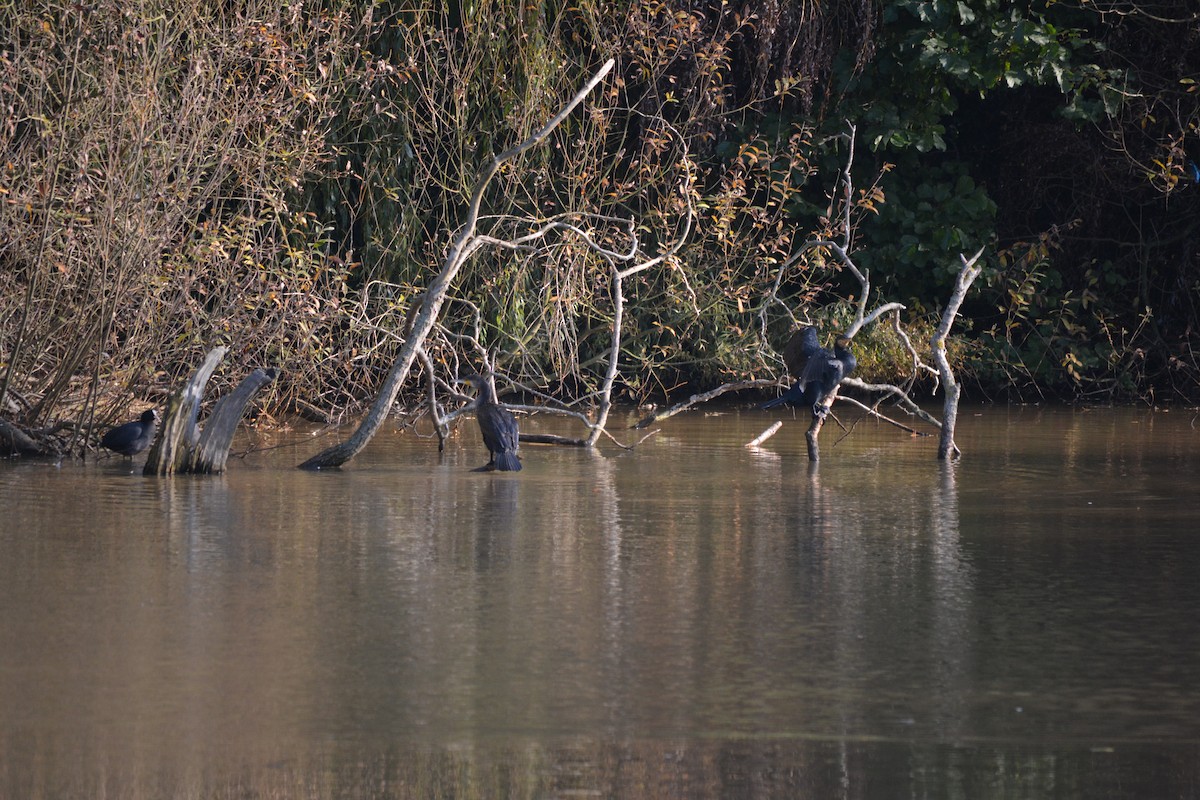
[{"x": 286, "y": 180}]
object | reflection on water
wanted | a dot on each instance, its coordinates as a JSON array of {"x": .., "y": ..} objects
[{"x": 689, "y": 619}]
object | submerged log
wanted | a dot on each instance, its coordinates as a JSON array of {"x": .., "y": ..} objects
[
  {"x": 14, "y": 441},
  {"x": 181, "y": 446},
  {"x": 550, "y": 438}
]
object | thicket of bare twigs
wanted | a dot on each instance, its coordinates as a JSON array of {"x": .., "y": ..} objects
[{"x": 286, "y": 180}]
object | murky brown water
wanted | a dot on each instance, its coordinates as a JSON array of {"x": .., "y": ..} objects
[{"x": 689, "y": 619}]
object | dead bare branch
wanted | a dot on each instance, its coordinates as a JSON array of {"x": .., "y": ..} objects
[
  {"x": 966, "y": 276},
  {"x": 464, "y": 245},
  {"x": 704, "y": 397},
  {"x": 872, "y": 411}
]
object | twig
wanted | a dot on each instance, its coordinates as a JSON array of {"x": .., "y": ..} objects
[
  {"x": 439, "y": 425},
  {"x": 623, "y": 446},
  {"x": 875, "y": 413}
]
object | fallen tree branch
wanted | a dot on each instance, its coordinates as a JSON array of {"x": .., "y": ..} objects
[
  {"x": 465, "y": 244},
  {"x": 212, "y": 451},
  {"x": 874, "y": 412},
  {"x": 178, "y": 434},
  {"x": 902, "y": 398},
  {"x": 181, "y": 447},
  {"x": 14, "y": 441},
  {"x": 704, "y": 397}
]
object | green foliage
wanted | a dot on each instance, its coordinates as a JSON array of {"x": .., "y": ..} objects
[
  {"x": 934, "y": 53},
  {"x": 932, "y": 214}
]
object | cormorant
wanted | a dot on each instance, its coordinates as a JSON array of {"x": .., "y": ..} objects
[
  {"x": 498, "y": 426},
  {"x": 132, "y": 437},
  {"x": 798, "y": 349},
  {"x": 819, "y": 370}
]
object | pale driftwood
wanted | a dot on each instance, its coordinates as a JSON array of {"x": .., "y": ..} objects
[
  {"x": 212, "y": 451},
  {"x": 918, "y": 364},
  {"x": 618, "y": 278},
  {"x": 623, "y": 262},
  {"x": 181, "y": 447},
  {"x": 762, "y": 437},
  {"x": 465, "y": 244},
  {"x": 177, "y": 433},
  {"x": 966, "y": 276},
  {"x": 841, "y": 251},
  {"x": 862, "y": 318},
  {"x": 901, "y": 397},
  {"x": 598, "y": 426}
]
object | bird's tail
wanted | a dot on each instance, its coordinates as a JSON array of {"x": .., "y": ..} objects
[
  {"x": 507, "y": 462},
  {"x": 797, "y": 395}
]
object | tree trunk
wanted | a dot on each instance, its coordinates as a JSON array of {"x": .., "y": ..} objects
[
  {"x": 814, "y": 430},
  {"x": 966, "y": 276}
]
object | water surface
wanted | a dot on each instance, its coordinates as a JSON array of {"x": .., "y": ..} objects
[{"x": 690, "y": 618}]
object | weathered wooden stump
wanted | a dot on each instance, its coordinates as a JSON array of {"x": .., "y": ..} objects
[
  {"x": 181, "y": 446},
  {"x": 814, "y": 429}
]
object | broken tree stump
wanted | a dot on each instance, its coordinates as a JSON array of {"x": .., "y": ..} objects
[
  {"x": 181, "y": 446},
  {"x": 814, "y": 429},
  {"x": 211, "y": 453}
]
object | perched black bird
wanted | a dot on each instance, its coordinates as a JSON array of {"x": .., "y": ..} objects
[
  {"x": 820, "y": 370},
  {"x": 799, "y": 348},
  {"x": 498, "y": 426},
  {"x": 132, "y": 437}
]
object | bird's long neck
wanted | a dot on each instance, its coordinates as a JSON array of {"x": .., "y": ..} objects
[{"x": 486, "y": 394}]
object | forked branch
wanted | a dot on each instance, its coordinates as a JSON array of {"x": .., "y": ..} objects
[{"x": 966, "y": 276}]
